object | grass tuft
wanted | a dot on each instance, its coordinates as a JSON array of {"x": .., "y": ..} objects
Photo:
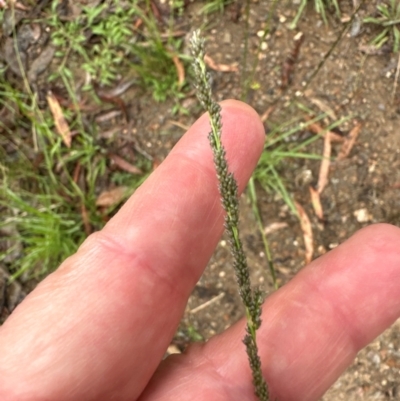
[
  {"x": 116, "y": 39},
  {"x": 321, "y": 7},
  {"x": 388, "y": 20}
]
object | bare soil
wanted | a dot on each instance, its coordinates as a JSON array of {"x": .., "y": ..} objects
[{"x": 364, "y": 188}]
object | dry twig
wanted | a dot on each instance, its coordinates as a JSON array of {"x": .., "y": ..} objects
[
  {"x": 325, "y": 164},
  {"x": 60, "y": 122},
  {"x": 307, "y": 232},
  {"x": 316, "y": 203},
  {"x": 349, "y": 142},
  {"x": 219, "y": 67}
]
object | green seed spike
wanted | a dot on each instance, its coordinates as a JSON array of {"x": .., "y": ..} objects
[{"x": 228, "y": 189}]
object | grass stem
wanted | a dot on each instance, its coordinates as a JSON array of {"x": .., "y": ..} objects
[{"x": 252, "y": 299}]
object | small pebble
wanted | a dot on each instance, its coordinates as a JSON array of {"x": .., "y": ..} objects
[
  {"x": 362, "y": 215},
  {"x": 173, "y": 349},
  {"x": 376, "y": 359},
  {"x": 227, "y": 38}
]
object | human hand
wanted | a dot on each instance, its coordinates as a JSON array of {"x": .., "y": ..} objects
[{"x": 98, "y": 327}]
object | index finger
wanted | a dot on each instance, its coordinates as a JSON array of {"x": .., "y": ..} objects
[
  {"x": 312, "y": 328},
  {"x": 97, "y": 328}
]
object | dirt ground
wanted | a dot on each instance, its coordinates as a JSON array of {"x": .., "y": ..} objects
[{"x": 364, "y": 188}]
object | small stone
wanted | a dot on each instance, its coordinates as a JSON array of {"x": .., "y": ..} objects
[
  {"x": 227, "y": 38},
  {"x": 355, "y": 27},
  {"x": 173, "y": 349},
  {"x": 376, "y": 359},
  {"x": 362, "y": 215}
]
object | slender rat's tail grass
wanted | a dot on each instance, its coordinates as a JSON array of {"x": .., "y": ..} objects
[{"x": 252, "y": 300}]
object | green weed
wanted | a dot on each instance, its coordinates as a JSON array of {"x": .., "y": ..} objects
[
  {"x": 279, "y": 148},
  {"x": 388, "y": 20},
  {"x": 111, "y": 45},
  {"x": 49, "y": 229},
  {"x": 38, "y": 194},
  {"x": 193, "y": 334},
  {"x": 321, "y": 7},
  {"x": 215, "y": 6}
]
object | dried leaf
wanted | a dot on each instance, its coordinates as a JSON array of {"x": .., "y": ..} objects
[
  {"x": 179, "y": 124},
  {"x": 85, "y": 219},
  {"x": 40, "y": 64},
  {"x": 317, "y": 129},
  {"x": 324, "y": 107},
  {"x": 17, "y": 61},
  {"x": 111, "y": 197},
  {"x": 180, "y": 70},
  {"x": 264, "y": 117},
  {"x": 20, "y": 6},
  {"x": 59, "y": 120},
  {"x": 307, "y": 232},
  {"x": 118, "y": 90},
  {"x": 290, "y": 62},
  {"x": 110, "y": 133},
  {"x": 220, "y": 67},
  {"x": 4, "y": 5},
  {"x": 274, "y": 227},
  {"x": 124, "y": 165},
  {"x": 115, "y": 100},
  {"x": 316, "y": 203},
  {"x": 138, "y": 23},
  {"x": 174, "y": 34},
  {"x": 77, "y": 172},
  {"x": 109, "y": 115},
  {"x": 156, "y": 11},
  {"x": 372, "y": 50},
  {"x": 326, "y": 162},
  {"x": 349, "y": 142}
]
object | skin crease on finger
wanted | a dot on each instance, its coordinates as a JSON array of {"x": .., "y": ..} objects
[
  {"x": 98, "y": 327},
  {"x": 312, "y": 328}
]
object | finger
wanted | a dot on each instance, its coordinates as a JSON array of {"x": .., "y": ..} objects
[
  {"x": 97, "y": 328},
  {"x": 312, "y": 328}
]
